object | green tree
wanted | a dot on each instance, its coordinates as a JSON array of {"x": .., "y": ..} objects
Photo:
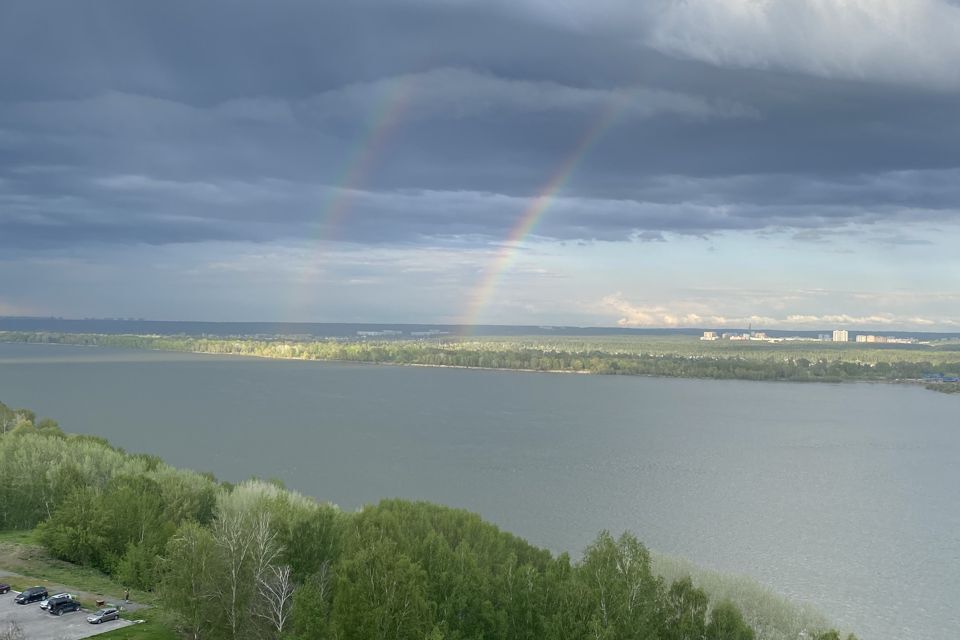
[
  {"x": 79, "y": 530},
  {"x": 727, "y": 623},
  {"x": 311, "y": 614},
  {"x": 381, "y": 595},
  {"x": 622, "y": 589},
  {"x": 685, "y": 611},
  {"x": 188, "y": 572},
  {"x": 138, "y": 566}
]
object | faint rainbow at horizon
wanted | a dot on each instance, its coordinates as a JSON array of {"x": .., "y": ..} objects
[{"x": 535, "y": 211}]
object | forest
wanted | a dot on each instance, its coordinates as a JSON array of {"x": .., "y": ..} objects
[
  {"x": 683, "y": 357},
  {"x": 256, "y": 560}
]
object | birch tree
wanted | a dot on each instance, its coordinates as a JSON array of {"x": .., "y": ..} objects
[
  {"x": 235, "y": 549},
  {"x": 276, "y": 589}
]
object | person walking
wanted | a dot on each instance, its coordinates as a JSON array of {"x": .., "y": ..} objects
[{"x": 126, "y": 596}]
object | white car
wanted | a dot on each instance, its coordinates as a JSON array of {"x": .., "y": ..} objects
[{"x": 45, "y": 604}]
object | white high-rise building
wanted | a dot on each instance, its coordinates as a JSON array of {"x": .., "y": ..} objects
[{"x": 841, "y": 335}]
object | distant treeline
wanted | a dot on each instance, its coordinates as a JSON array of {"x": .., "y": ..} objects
[
  {"x": 256, "y": 560},
  {"x": 683, "y": 358}
]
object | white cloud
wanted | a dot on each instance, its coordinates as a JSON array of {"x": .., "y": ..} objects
[
  {"x": 844, "y": 319},
  {"x": 886, "y": 320},
  {"x": 700, "y": 314},
  {"x": 674, "y": 315},
  {"x": 901, "y": 41}
]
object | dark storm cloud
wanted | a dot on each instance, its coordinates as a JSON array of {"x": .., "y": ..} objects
[{"x": 188, "y": 121}]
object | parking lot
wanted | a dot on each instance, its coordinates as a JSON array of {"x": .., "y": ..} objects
[{"x": 37, "y": 624}]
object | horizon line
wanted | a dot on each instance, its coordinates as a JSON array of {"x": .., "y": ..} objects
[{"x": 538, "y": 326}]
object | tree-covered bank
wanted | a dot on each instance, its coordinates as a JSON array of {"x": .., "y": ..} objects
[
  {"x": 654, "y": 356},
  {"x": 945, "y": 387},
  {"x": 256, "y": 560}
]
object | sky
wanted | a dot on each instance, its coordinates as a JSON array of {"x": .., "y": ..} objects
[{"x": 792, "y": 164}]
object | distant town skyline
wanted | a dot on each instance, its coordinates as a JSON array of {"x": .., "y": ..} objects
[
  {"x": 111, "y": 325},
  {"x": 612, "y": 163}
]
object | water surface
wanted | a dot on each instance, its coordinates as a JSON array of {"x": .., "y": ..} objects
[{"x": 844, "y": 496}]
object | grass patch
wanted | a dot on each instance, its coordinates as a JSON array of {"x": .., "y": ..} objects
[
  {"x": 158, "y": 625},
  {"x": 18, "y": 583},
  {"x": 18, "y": 537}
]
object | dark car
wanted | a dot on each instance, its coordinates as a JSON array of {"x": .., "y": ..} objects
[
  {"x": 54, "y": 600},
  {"x": 103, "y": 615},
  {"x": 4, "y": 587},
  {"x": 33, "y": 594},
  {"x": 60, "y": 606},
  {"x": 45, "y": 604}
]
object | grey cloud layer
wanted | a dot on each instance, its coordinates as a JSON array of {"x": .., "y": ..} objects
[
  {"x": 140, "y": 209},
  {"x": 183, "y": 121},
  {"x": 462, "y": 93}
]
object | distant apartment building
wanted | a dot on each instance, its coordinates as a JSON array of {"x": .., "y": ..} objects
[
  {"x": 709, "y": 335},
  {"x": 886, "y": 339},
  {"x": 841, "y": 335}
]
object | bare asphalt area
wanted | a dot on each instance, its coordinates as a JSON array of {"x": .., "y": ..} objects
[{"x": 37, "y": 624}]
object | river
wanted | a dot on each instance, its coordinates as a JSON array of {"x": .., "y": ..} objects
[{"x": 844, "y": 496}]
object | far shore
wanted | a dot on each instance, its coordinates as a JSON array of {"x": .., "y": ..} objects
[{"x": 913, "y": 382}]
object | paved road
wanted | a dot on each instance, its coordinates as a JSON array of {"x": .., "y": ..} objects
[{"x": 37, "y": 624}]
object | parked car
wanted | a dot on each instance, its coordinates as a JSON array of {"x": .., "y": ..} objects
[
  {"x": 60, "y": 606},
  {"x": 103, "y": 615},
  {"x": 4, "y": 587},
  {"x": 33, "y": 594},
  {"x": 45, "y": 604},
  {"x": 52, "y": 601}
]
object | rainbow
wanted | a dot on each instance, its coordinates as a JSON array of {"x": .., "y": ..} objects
[
  {"x": 382, "y": 123},
  {"x": 484, "y": 291}
]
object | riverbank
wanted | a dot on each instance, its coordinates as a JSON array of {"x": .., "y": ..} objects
[{"x": 675, "y": 357}]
